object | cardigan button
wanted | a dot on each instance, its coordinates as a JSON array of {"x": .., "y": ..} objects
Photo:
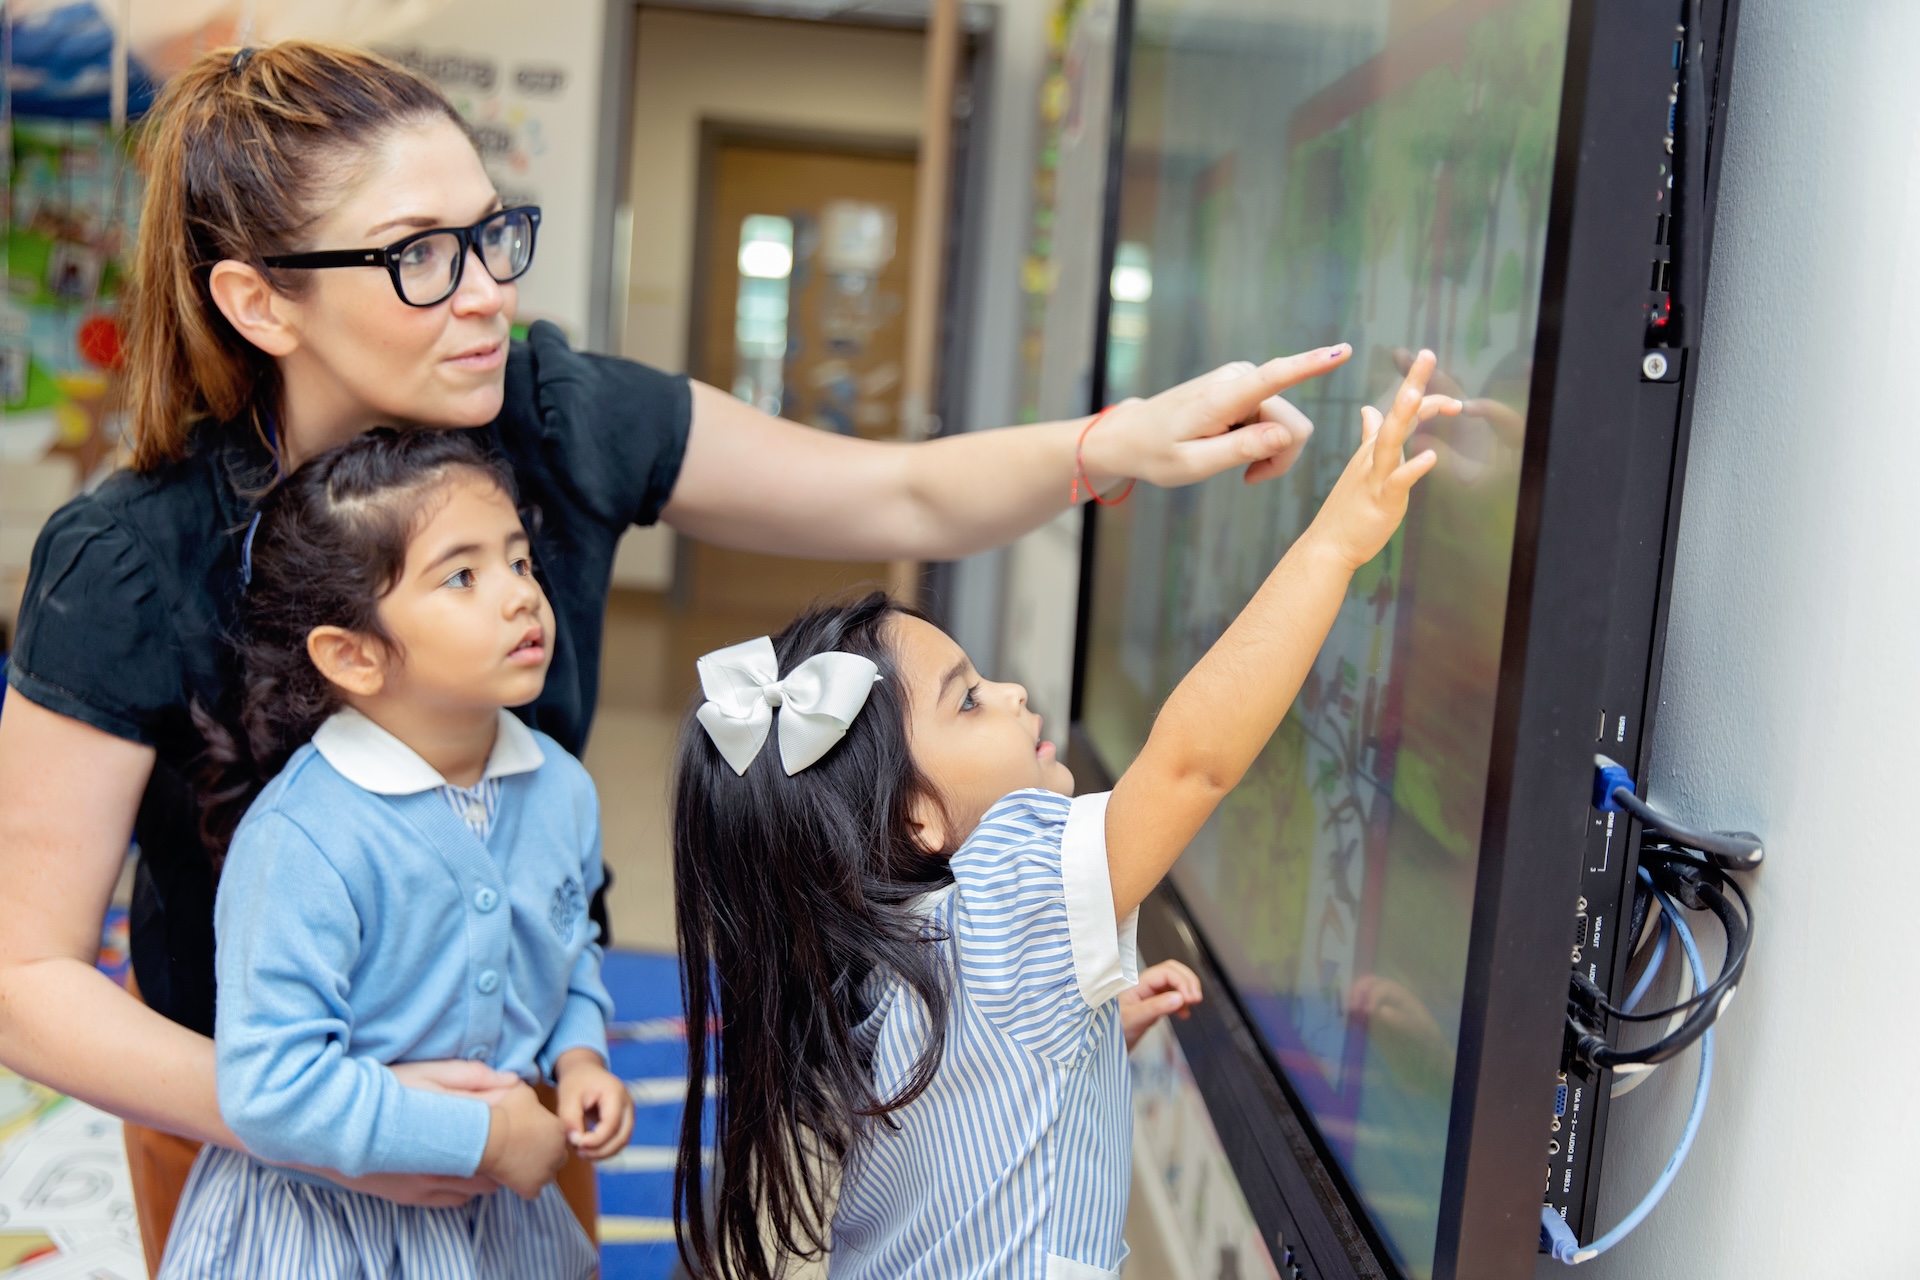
[
  {"x": 485, "y": 899},
  {"x": 487, "y": 981}
]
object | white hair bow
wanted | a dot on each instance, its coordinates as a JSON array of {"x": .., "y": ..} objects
[{"x": 816, "y": 702}]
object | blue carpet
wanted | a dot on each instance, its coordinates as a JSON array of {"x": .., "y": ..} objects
[{"x": 648, "y": 1046}]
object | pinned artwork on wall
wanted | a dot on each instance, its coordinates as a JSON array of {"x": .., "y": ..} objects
[
  {"x": 856, "y": 244},
  {"x": 1060, "y": 274},
  {"x": 503, "y": 104},
  {"x": 73, "y": 197},
  {"x": 514, "y": 111}
]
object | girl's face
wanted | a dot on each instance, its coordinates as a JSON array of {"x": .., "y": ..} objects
[
  {"x": 364, "y": 355},
  {"x": 975, "y": 739},
  {"x": 471, "y": 628}
]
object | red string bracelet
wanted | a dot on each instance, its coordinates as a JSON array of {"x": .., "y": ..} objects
[{"x": 1080, "y": 475}]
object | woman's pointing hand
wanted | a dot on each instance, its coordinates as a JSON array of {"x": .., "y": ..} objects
[{"x": 1233, "y": 416}]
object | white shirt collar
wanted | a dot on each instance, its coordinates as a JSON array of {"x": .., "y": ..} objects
[{"x": 374, "y": 760}]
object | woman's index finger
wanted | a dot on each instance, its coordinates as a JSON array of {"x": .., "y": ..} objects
[{"x": 1239, "y": 397}]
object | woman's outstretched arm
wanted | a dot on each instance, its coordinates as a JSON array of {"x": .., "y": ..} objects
[
  {"x": 760, "y": 483},
  {"x": 1218, "y": 719}
]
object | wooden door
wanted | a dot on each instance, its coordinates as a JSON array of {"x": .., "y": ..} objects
[{"x": 801, "y": 301}]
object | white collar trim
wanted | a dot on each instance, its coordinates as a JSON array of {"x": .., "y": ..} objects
[{"x": 374, "y": 760}]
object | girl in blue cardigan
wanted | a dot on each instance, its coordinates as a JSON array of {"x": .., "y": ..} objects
[{"x": 411, "y": 885}]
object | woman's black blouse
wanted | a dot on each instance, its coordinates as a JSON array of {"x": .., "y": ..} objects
[{"x": 135, "y": 589}]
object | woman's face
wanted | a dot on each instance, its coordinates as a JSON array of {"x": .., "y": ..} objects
[{"x": 361, "y": 353}]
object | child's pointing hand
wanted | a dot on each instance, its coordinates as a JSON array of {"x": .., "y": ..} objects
[
  {"x": 1370, "y": 498},
  {"x": 595, "y": 1108}
]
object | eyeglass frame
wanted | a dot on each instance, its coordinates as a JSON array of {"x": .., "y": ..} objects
[{"x": 389, "y": 256}]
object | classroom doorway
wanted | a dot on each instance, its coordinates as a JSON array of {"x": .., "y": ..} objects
[
  {"x": 799, "y": 308},
  {"x": 796, "y": 303}
]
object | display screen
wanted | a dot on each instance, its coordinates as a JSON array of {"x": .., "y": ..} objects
[{"x": 1301, "y": 172}]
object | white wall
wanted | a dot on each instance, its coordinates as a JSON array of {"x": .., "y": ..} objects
[
  {"x": 1009, "y": 130},
  {"x": 1041, "y": 593},
  {"x": 1013, "y": 608},
  {"x": 1792, "y": 685}
]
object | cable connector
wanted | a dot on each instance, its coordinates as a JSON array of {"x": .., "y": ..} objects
[
  {"x": 1684, "y": 880},
  {"x": 1556, "y": 1237},
  {"x": 1613, "y": 792},
  {"x": 1609, "y": 777}
]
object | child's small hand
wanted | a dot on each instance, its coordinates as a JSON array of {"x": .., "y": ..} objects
[
  {"x": 1167, "y": 988},
  {"x": 526, "y": 1145},
  {"x": 1370, "y": 498},
  {"x": 595, "y": 1108}
]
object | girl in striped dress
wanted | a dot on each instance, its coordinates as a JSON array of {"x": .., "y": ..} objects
[
  {"x": 411, "y": 886},
  {"x": 912, "y": 937}
]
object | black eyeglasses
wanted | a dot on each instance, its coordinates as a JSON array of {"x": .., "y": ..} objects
[{"x": 426, "y": 266}]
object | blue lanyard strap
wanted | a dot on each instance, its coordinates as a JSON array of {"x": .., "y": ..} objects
[
  {"x": 246, "y": 553},
  {"x": 246, "y": 548}
]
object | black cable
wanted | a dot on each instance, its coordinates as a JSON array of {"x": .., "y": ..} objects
[
  {"x": 1739, "y": 850},
  {"x": 1739, "y": 942},
  {"x": 1697, "y": 884},
  {"x": 1613, "y": 789}
]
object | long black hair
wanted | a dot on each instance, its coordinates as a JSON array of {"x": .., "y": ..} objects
[
  {"x": 331, "y": 543},
  {"x": 790, "y": 892}
]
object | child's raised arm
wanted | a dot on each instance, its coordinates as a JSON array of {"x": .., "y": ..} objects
[{"x": 1220, "y": 717}]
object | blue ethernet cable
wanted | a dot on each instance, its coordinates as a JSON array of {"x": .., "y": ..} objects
[
  {"x": 1562, "y": 1243},
  {"x": 1648, "y": 974},
  {"x": 1621, "y": 1088}
]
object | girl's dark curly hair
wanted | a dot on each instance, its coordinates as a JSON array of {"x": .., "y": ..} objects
[
  {"x": 789, "y": 892},
  {"x": 331, "y": 543}
]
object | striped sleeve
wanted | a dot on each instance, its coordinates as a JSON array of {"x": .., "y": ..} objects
[{"x": 1040, "y": 952}]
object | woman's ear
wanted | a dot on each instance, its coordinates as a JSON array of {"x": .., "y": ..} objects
[
  {"x": 929, "y": 821},
  {"x": 252, "y": 306},
  {"x": 355, "y": 663}
]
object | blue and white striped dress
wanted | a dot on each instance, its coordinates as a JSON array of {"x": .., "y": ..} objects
[
  {"x": 1015, "y": 1161},
  {"x": 252, "y": 1221}
]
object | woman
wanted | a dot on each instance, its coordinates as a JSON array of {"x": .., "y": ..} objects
[{"x": 250, "y": 354}]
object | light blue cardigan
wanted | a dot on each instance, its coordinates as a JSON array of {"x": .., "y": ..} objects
[{"x": 356, "y": 929}]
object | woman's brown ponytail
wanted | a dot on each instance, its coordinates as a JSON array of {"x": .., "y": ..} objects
[{"x": 238, "y": 156}]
